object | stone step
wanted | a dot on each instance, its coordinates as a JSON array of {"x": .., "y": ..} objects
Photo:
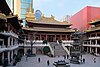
[
  {"x": 60, "y": 53},
  {"x": 58, "y": 49}
]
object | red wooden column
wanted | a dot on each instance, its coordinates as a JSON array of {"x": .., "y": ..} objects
[
  {"x": 66, "y": 37},
  {"x": 69, "y": 37},
  {"x": 55, "y": 37},
  {"x": 60, "y": 37},
  {"x": 46, "y": 36},
  {"x": 40, "y": 37}
]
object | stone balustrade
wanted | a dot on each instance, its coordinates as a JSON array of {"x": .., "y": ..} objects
[
  {"x": 97, "y": 37},
  {"x": 9, "y": 33}
]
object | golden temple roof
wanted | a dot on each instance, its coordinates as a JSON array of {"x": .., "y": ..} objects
[
  {"x": 30, "y": 18},
  {"x": 10, "y": 16},
  {"x": 49, "y": 29},
  {"x": 93, "y": 29},
  {"x": 94, "y": 21},
  {"x": 50, "y": 20},
  {"x": 3, "y": 16}
]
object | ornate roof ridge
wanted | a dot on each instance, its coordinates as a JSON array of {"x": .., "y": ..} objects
[
  {"x": 3, "y": 16},
  {"x": 94, "y": 21},
  {"x": 49, "y": 20}
]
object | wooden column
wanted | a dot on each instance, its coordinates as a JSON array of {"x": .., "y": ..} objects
[
  {"x": 90, "y": 42},
  {"x": 8, "y": 57},
  {"x": 12, "y": 55},
  {"x": 96, "y": 42},
  {"x": 90, "y": 49},
  {"x": 55, "y": 37},
  {"x": 60, "y": 37},
  {"x": 40, "y": 37},
  {"x": 96, "y": 50},
  {"x": 11, "y": 41},
  {"x": 46, "y": 36},
  {"x": 2, "y": 56},
  {"x": 87, "y": 49},
  {"x": 66, "y": 37},
  {"x": 70, "y": 37}
]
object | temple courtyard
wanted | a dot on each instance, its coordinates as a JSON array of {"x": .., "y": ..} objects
[{"x": 33, "y": 61}]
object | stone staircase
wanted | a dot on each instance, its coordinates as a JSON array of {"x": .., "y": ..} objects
[{"x": 58, "y": 49}]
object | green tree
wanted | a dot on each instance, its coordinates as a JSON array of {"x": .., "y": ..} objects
[{"x": 46, "y": 49}]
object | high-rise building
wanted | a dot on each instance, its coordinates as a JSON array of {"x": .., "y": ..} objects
[
  {"x": 24, "y": 6},
  {"x": 15, "y": 6},
  {"x": 19, "y": 7}
]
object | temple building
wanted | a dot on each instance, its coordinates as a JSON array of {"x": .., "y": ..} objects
[
  {"x": 47, "y": 28},
  {"x": 92, "y": 45},
  {"x": 9, "y": 35}
]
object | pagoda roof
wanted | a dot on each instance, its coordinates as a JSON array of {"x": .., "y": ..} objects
[
  {"x": 4, "y": 7},
  {"x": 3, "y": 16},
  {"x": 50, "y": 21},
  {"x": 93, "y": 29},
  {"x": 48, "y": 29},
  {"x": 95, "y": 22},
  {"x": 11, "y": 16},
  {"x": 13, "y": 19}
]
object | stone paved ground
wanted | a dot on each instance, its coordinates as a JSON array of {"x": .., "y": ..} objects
[{"x": 33, "y": 61}]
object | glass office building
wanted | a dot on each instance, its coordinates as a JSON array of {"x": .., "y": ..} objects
[
  {"x": 19, "y": 6},
  {"x": 24, "y": 5}
]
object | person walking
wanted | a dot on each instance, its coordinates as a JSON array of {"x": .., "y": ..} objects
[
  {"x": 39, "y": 59},
  {"x": 48, "y": 62},
  {"x": 94, "y": 59},
  {"x": 54, "y": 47},
  {"x": 83, "y": 60},
  {"x": 67, "y": 56},
  {"x": 26, "y": 57},
  {"x": 64, "y": 56}
]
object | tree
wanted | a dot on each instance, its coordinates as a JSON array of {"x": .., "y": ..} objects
[{"x": 46, "y": 49}]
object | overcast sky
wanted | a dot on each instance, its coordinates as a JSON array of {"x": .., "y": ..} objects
[{"x": 60, "y": 8}]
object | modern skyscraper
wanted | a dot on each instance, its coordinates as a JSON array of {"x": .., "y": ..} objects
[
  {"x": 19, "y": 7},
  {"x": 15, "y": 6},
  {"x": 24, "y": 6}
]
